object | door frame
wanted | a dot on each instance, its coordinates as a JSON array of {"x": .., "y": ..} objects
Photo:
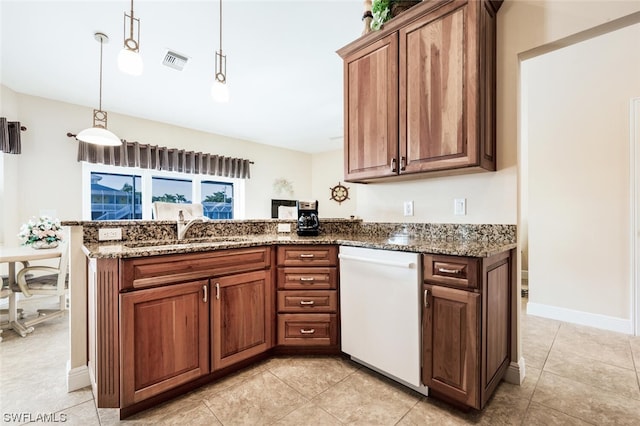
[{"x": 634, "y": 206}]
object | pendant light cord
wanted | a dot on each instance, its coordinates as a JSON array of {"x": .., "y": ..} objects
[
  {"x": 220, "y": 26},
  {"x": 131, "y": 24},
  {"x": 100, "y": 98}
]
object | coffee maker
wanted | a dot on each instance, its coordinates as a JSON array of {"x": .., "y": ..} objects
[{"x": 308, "y": 222}]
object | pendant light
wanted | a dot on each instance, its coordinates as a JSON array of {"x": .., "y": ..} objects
[
  {"x": 129, "y": 59},
  {"x": 98, "y": 134},
  {"x": 220, "y": 90}
]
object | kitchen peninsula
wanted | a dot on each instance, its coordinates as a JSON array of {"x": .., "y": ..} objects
[{"x": 167, "y": 315}]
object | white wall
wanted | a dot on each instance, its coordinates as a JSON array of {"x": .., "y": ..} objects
[
  {"x": 328, "y": 171},
  {"x": 579, "y": 189},
  {"x": 8, "y": 175}
]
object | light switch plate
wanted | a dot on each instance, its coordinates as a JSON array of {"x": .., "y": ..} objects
[
  {"x": 109, "y": 234},
  {"x": 407, "y": 208},
  {"x": 460, "y": 206}
]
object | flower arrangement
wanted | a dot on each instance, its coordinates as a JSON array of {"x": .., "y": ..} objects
[{"x": 43, "y": 230}]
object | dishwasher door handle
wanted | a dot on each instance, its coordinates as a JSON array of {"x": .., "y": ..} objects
[{"x": 408, "y": 265}]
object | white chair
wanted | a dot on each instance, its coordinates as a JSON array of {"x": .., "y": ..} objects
[{"x": 53, "y": 283}]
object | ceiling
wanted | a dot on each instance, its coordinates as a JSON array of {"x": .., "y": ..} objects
[{"x": 284, "y": 77}]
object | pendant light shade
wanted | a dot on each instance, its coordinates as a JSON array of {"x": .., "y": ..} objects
[
  {"x": 129, "y": 59},
  {"x": 98, "y": 134},
  {"x": 220, "y": 92},
  {"x": 130, "y": 62}
]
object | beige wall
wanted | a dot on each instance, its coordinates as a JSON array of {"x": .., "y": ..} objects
[
  {"x": 47, "y": 177},
  {"x": 579, "y": 190}
]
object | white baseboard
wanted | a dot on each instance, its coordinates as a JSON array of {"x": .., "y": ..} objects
[
  {"x": 515, "y": 372},
  {"x": 77, "y": 378},
  {"x": 604, "y": 322}
]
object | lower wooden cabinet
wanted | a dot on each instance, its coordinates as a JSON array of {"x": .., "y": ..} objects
[
  {"x": 466, "y": 332},
  {"x": 165, "y": 339},
  {"x": 241, "y": 313},
  {"x": 308, "y": 296},
  {"x": 451, "y": 328}
]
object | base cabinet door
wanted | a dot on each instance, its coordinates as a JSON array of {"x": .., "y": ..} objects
[
  {"x": 241, "y": 317},
  {"x": 451, "y": 343},
  {"x": 165, "y": 339}
]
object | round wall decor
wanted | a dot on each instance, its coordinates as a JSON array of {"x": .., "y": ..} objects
[{"x": 339, "y": 193}]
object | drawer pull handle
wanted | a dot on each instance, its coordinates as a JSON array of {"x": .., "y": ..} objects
[
  {"x": 307, "y": 302},
  {"x": 309, "y": 331},
  {"x": 425, "y": 299},
  {"x": 307, "y": 279},
  {"x": 206, "y": 295},
  {"x": 306, "y": 256},
  {"x": 449, "y": 271},
  {"x": 218, "y": 291}
]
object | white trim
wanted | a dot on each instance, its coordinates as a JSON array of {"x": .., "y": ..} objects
[
  {"x": 634, "y": 152},
  {"x": 524, "y": 274},
  {"x": 515, "y": 373},
  {"x": 603, "y": 322},
  {"x": 77, "y": 378}
]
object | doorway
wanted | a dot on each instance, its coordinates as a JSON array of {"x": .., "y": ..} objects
[{"x": 576, "y": 190}]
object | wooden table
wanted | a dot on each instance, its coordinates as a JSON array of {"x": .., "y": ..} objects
[{"x": 11, "y": 255}]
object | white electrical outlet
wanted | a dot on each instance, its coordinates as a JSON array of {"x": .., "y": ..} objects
[
  {"x": 284, "y": 227},
  {"x": 109, "y": 234},
  {"x": 460, "y": 206},
  {"x": 408, "y": 208}
]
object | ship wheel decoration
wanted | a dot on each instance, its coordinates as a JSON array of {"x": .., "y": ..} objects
[{"x": 339, "y": 193}]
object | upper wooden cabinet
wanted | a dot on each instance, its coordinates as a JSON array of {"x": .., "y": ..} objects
[{"x": 420, "y": 94}]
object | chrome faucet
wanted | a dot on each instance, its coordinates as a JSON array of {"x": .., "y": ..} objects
[{"x": 184, "y": 226}]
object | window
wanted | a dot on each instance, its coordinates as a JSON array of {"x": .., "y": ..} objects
[
  {"x": 115, "y": 196},
  {"x": 123, "y": 193},
  {"x": 170, "y": 190},
  {"x": 217, "y": 199}
]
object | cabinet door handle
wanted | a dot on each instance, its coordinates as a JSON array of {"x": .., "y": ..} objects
[
  {"x": 307, "y": 302},
  {"x": 306, "y": 256},
  {"x": 403, "y": 163},
  {"x": 449, "y": 271},
  {"x": 309, "y": 331},
  {"x": 306, "y": 279},
  {"x": 218, "y": 291},
  {"x": 425, "y": 298},
  {"x": 394, "y": 164},
  {"x": 206, "y": 295}
]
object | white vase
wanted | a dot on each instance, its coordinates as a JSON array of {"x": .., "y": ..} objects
[{"x": 44, "y": 244}]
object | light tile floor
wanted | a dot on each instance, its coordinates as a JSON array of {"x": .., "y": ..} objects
[{"x": 575, "y": 376}]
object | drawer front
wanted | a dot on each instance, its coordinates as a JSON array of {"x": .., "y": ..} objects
[
  {"x": 321, "y": 278},
  {"x": 308, "y": 255},
  {"x": 307, "y": 301},
  {"x": 454, "y": 271},
  {"x": 159, "y": 270},
  {"x": 307, "y": 329}
]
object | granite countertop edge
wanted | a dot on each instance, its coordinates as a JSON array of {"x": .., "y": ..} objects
[{"x": 128, "y": 249}]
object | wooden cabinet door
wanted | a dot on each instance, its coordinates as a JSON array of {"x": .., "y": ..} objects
[
  {"x": 437, "y": 92},
  {"x": 242, "y": 313},
  {"x": 165, "y": 339},
  {"x": 450, "y": 351},
  {"x": 371, "y": 110}
]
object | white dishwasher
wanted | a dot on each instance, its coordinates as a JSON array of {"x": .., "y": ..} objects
[{"x": 380, "y": 312}]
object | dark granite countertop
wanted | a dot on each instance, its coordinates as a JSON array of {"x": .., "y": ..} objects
[{"x": 458, "y": 247}]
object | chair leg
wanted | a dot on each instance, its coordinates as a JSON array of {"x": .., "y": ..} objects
[{"x": 43, "y": 315}]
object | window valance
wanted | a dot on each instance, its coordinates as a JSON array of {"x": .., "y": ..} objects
[{"x": 135, "y": 154}]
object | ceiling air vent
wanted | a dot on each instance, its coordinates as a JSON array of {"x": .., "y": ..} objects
[{"x": 175, "y": 60}]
